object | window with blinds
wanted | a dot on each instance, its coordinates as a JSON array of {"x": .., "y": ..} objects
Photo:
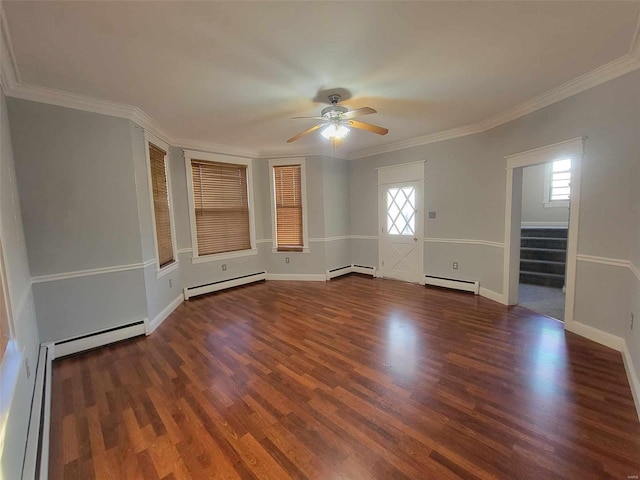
[
  {"x": 160, "y": 192},
  {"x": 221, "y": 207},
  {"x": 288, "y": 206}
]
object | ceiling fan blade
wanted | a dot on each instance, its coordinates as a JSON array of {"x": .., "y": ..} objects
[
  {"x": 368, "y": 127},
  {"x": 315, "y": 118},
  {"x": 359, "y": 112},
  {"x": 309, "y": 130}
]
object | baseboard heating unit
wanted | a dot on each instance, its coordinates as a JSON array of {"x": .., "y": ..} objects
[
  {"x": 465, "y": 285},
  {"x": 70, "y": 346},
  {"x": 222, "y": 284},
  {"x": 338, "y": 272}
]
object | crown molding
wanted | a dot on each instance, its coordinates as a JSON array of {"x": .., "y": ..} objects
[
  {"x": 617, "y": 68},
  {"x": 12, "y": 86}
]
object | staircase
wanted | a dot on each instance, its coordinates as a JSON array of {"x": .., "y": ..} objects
[{"x": 543, "y": 254}]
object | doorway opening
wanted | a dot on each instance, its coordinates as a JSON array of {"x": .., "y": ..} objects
[
  {"x": 546, "y": 193},
  {"x": 541, "y": 228}
]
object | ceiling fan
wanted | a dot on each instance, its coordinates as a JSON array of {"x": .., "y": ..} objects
[{"x": 337, "y": 121}]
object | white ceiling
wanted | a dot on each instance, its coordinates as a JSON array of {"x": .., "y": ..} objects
[{"x": 233, "y": 73}]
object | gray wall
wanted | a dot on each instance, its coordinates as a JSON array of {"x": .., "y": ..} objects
[
  {"x": 77, "y": 189},
  {"x": 533, "y": 209},
  {"x": 22, "y": 305},
  {"x": 465, "y": 184}
]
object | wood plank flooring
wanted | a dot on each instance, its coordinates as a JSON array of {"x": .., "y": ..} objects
[{"x": 358, "y": 378}]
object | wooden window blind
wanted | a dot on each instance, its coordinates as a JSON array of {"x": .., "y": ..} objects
[
  {"x": 288, "y": 193},
  {"x": 221, "y": 207},
  {"x": 161, "y": 205}
]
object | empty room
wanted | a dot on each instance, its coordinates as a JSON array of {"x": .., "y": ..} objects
[{"x": 319, "y": 240}]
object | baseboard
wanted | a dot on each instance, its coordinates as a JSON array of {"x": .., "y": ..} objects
[
  {"x": 453, "y": 283},
  {"x": 304, "y": 277},
  {"x": 632, "y": 375},
  {"x": 598, "y": 336},
  {"x": 161, "y": 317},
  {"x": 338, "y": 272},
  {"x": 98, "y": 339},
  {"x": 491, "y": 295},
  {"x": 36, "y": 460},
  {"x": 364, "y": 270},
  {"x": 224, "y": 284}
]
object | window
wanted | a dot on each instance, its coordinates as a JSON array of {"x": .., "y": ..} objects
[
  {"x": 160, "y": 188},
  {"x": 221, "y": 206},
  {"x": 557, "y": 187},
  {"x": 5, "y": 322},
  {"x": 288, "y": 202}
]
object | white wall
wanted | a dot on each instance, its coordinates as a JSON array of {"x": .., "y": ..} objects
[
  {"x": 18, "y": 396},
  {"x": 533, "y": 210}
]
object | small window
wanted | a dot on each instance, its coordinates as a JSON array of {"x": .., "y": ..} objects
[
  {"x": 160, "y": 187},
  {"x": 221, "y": 207},
  {"x": 557, "y": 188},
  {"x": 289, "y": 206}
]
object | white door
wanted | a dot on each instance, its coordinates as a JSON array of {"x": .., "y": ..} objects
[{"x": 401, "y": 221}]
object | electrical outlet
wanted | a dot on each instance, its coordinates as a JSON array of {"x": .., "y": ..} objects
[
  {"x": 224, "y": 267},
  {"x": 170, "y": 283},
  {"x": 455, "y": 265},
  {"x": 286, "y": 260},
  {"x": 631, "y": 325},
  {"x": 26, "y": 366},
  {"x": 432, "y": 215}
]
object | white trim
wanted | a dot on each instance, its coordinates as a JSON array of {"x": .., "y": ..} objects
[
  {"x": 364, "y": 237},
  {"x": 151, "y": 325},
  {"x": 40, "y": 413},
  {"x": 98, "y": 339},
  {"x": 597, "y": 335},
  {"x": 190, "y": 155},
  {"x": 491, "y": 295},
  {"x": 18, "y": 307},
  {"x": 306, "y": 277},
  {"x": 616, "y": 262},
  {"x": 545, "y": 224},
  {"x": 216, "y": 257},
  {"x": 573, "y": 149},
  {"x": 184, "y": 250},
  {"x": 338, "y": 272},
  {"x": 330, "y": 239},
  {"x": 465, "y": 241},
  {"x": 150, "y": 139},
  {"x": 365, "y": 270},
  {"x": 94, "y": 271},
  {"x": 167, "y": 269},
  {"x": 264, "y": 240},
  {"x": 609, "y": 71},
  {"x": 303, "y": 250},
  {"x": 272, "y": 195},
  {"x": 190, "y": 292},
  {"x": 632, "y": 376},
  {"x": 472, "y": 286}
]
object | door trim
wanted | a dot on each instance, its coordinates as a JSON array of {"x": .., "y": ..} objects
[{"x": 573, "y": 148}]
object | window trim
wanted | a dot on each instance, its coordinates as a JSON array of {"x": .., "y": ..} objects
[
  {"x": 190, "y": 155},
  {"x": 272, "y": 193},
  {"x": 170, "y": 267},
  {"x": 546, "y": 193}
]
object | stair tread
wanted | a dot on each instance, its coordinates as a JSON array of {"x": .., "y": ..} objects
[
  {"x": 535, "y": 260},
  {"x": 542, "y": 274},
  {"x": 543, "y": 238},
  {"x": 544, "y": 249}
]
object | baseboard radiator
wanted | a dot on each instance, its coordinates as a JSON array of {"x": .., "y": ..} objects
[
  {"x": 70, "y": 346},
  {"x": 338, "y": 272},
  {"x": 223, "y": 284},
  {"x": 464, "y": 285}
]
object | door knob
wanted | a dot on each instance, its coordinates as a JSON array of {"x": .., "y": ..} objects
[{"x": 415, "y": 239}]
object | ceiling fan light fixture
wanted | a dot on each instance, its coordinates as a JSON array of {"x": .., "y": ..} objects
[{"x": 335, "y": 131}]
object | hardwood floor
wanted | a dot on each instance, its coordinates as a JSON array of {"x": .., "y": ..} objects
[{"x": 353, "y": 379}]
